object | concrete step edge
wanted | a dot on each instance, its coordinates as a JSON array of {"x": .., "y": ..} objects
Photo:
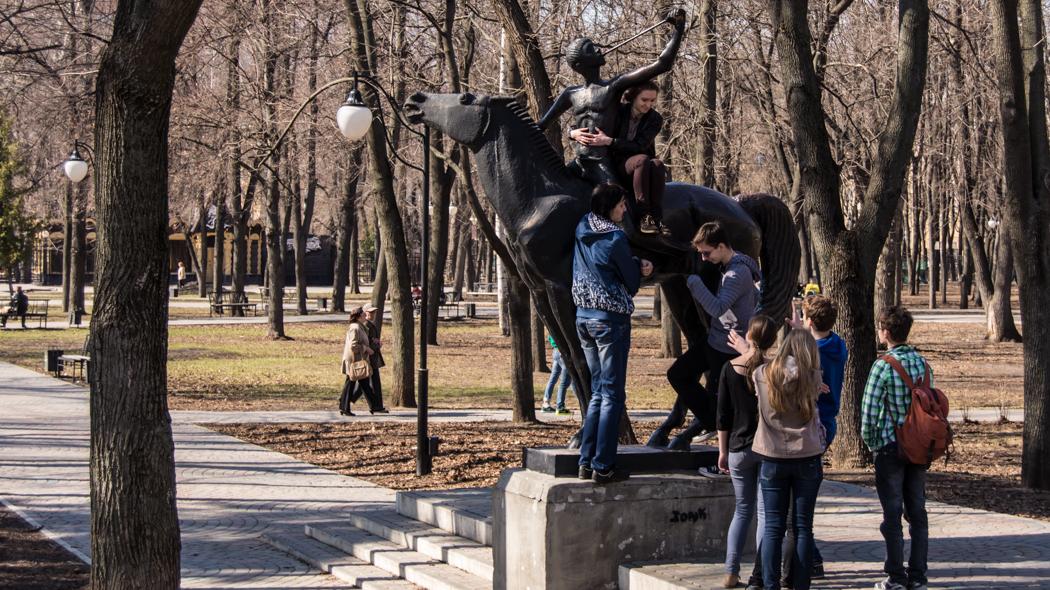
[
  {"x": 356, "y": 572},
  {"x": 406, "y": 563},
  {"x": 671, "y": 576},
  {"x": 449, "y": 518},
  {"x": 436, "y": 543}
]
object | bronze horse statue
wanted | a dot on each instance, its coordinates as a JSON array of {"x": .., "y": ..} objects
[{"x": 539, "y": 202}]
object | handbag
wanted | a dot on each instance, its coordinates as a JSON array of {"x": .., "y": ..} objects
[{"x": 359, "y": 370}]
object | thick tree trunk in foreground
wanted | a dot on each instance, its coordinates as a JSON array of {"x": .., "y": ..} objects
[
  {"x": 134, "y": 524},
  {"x": 1027, "y": 159},
  {"x": 849, "y": 257}
]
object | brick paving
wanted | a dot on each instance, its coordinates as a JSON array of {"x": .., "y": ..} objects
[{"x": 231, "y": 492}]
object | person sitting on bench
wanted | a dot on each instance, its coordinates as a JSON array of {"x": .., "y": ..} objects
[{"x": 19, "y": 306}]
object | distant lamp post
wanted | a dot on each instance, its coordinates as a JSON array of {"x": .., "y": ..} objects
[
  {"x": 993, "y": 223},
  {"x": 75, "y": 167}
]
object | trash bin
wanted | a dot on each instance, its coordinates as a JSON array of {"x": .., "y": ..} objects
[
  {"x": 51, "y": 362},
  {"x": 471, "y": 310},
  {"x": 174, "y": 291}
]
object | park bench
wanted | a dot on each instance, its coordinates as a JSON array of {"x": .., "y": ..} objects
[
  {"x": 75, "y": 362},
  {"x": 241, "y": 303},
  {"x": 37, "y": 310}
]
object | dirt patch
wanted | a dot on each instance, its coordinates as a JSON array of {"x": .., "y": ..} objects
[
  {"x": 985, "y": 471},
  {"x": 25, "y": 554}
]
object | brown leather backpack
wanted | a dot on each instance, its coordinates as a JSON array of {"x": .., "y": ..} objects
[{"x": 926, "y": 434}]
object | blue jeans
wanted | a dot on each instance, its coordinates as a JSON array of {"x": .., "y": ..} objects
[
  {"x": 605, "y": 346},
  {"x": 743, "y": 469},
  {"x": 902, "y": 492},
  {"x": 782, "y": 481},
  {"x": 557, "y": 370}
]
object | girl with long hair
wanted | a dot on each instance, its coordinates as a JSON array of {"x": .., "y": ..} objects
[
  {"x": 737, "y": 420},
  {"x": 790, "y": 439}
]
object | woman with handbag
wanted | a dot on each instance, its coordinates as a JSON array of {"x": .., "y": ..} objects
[{"x": 356, "y": 365}]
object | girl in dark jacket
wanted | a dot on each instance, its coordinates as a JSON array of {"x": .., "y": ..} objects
[{"x": 634, "y": 153}]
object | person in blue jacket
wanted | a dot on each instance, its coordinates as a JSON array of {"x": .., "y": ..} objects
[{"x": 605, "y": 278}]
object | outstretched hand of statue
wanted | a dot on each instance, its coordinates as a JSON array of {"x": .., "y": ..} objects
[{"x": 676, "y": 16}]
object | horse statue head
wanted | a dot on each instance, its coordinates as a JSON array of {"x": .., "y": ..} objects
[{"x": 464, "y": 117}]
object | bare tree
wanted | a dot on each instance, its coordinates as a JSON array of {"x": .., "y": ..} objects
[{"x": 134, "y": 524}]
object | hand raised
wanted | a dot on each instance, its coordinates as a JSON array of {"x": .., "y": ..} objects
[
  {"x": 738, "y": 342},
  {"x": 675, "y": 16}
]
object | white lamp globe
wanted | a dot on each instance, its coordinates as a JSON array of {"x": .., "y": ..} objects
[
  {"x": 354, "y": 118},
  {"x": 75, "y": 169},
  {"x": 993, "y": 223}
]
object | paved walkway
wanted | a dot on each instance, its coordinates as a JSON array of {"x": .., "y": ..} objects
[{"x": 229, "y": 492}]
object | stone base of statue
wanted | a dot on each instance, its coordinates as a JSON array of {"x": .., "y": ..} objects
[{"x": 564, "y": 533}]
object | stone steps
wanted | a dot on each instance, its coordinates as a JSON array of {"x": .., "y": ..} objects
[
  {"x": 435, "y": 543},
  {"x": 354, "y": 571},
  {"x": 672, "y": 576},
  {"x": 464, "y": 512},
  {"x": 410, "y": 565}
]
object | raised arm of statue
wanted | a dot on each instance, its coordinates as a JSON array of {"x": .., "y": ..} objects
[
  {"x": 561, "y": 104},
  {"x": 661, "y": 65}
]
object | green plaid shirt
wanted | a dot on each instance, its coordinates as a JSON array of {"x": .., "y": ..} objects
[{"x": 885, "y": 385}]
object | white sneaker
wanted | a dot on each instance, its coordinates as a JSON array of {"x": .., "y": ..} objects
[
  {"x": 888, "y": 585},
  {"x": 705, "y": 436}
]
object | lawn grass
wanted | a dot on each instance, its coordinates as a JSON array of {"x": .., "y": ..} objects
[{"x": 234, "y": 367}]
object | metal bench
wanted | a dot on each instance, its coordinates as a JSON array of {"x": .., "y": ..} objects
[
  {"x": 76, "y": 363},
  {"x": 38, "y": 310}
]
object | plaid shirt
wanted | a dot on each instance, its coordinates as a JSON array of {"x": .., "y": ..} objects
[{"x": 885, "y": 385}]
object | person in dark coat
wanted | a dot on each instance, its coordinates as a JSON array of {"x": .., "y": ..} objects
[
  {"x": 634, "y": 155},
  {"x": 19, "y": 306},
  {"x": 376, "y": 358}
]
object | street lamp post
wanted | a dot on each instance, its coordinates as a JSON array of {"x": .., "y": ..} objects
[
  {"x": 76, "y": 169},
  {"x": 354, "y": 119}
]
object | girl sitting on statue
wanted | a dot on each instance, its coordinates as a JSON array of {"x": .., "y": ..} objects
[{"x": 633, "y": 151}]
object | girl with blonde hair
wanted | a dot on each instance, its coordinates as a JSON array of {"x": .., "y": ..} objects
[{"x": 790, "y": 439}]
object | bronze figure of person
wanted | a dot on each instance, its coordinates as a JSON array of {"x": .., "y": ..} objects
[{"x": 595, "y": 104}]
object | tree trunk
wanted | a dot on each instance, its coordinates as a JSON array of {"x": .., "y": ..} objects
[
  {"x": 220, "y": 239},
  {"x": 134, "y": 522},
  {"x": 347, "y": 222},
  {"x": 931, "y": 252},
  {"x": 524, "y": 409},
  {"x": 355, "y": 256},
  {"x": 670, "y": 336},
  {"x": 849, "y": 257},
  {"x": 539, "y": 342},
  {"x": 67, "y": 244},
  {"x": 402, "y": 387},
  {"x": 202, "y": 256},
  {"x": 440, "y": 193},
  {"x": 708, "y": 94},
  {"x": 1001, "y": 326},
  {"x": 78, "y": 263},
  {"x": 1026, "y": 158},
  {"x": 274, "y": 231}
]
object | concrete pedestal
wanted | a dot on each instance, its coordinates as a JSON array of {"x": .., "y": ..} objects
[{"x": 565, "y": 534}]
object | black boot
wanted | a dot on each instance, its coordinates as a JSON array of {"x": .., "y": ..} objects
[
  {"x": 684, "y": 440},
  {"x": 674, "y": 419}
]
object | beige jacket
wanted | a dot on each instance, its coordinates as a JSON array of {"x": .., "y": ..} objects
[
  {"x": 787, "y": 435},
  {"x": 356, "y": 346}
]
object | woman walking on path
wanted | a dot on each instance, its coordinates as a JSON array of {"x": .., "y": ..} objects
[
  {"x": 356, "y": 364},
  {"x": 790, "y": 441},
  {"x": 559, "y": 377},
  {"x": 737, "y": 420}
]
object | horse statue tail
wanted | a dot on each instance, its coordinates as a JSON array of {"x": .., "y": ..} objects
[{"x": 781, "y": 254}]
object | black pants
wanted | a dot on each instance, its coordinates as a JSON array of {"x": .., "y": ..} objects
[
  {"x": 684, "y": 376},
  {"x": 5, "y": 315},
  {"x": 354, "y": 393},
  {"x": 377, "y": 390}
]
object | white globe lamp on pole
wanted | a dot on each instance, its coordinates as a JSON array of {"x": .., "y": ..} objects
[
  {"x": 354, "y": 117},
  {"x": 75, "y": 167}
]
